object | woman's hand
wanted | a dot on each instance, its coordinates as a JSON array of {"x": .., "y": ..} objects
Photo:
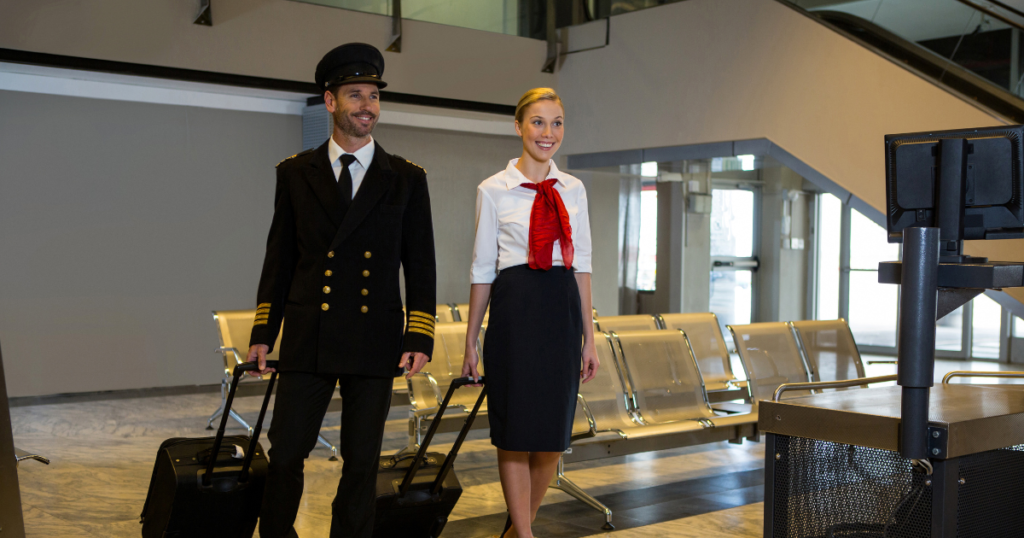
[
  {"x": 590, "y": 362},
  {"x": 469, "y": 364}
]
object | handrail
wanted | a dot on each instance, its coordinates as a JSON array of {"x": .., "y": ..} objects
[
  {"x": 831, "y": 384},
  {"x": 969, "y": 373}
]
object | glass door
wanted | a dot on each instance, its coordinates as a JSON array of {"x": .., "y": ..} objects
[{"x": 733, "y": 253}]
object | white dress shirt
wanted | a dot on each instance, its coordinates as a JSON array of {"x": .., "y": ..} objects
[
  {"x": 503, "y": 222},
  {"x": 364, "y": 156}
]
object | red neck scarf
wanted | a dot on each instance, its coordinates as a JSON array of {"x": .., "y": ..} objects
[{"x": 549, "y": 221}]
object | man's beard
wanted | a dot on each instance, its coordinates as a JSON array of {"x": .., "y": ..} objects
[{"x": 348, "y": 126}]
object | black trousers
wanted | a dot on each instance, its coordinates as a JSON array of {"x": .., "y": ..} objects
[{"x": 299, "y": 410}]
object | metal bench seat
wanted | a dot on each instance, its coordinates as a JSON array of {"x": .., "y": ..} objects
[
  {"x": 638, "y": 322},
  {"x": 829, "y": 350},
  {"x": 427, "y": 388},
  {"x": 647, "y": 395},
  {"x": 771, "y": 356},
  {"x": 234, "y": 327},
  {"x": 708, "y": 345}
]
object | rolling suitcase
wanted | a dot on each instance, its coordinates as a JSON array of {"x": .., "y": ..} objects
[
  {"x": 416, "y": 493},
  {"x": 211, "y": 486}
]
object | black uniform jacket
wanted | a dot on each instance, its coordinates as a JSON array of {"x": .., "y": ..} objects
[{"x": 332, "y": 275}]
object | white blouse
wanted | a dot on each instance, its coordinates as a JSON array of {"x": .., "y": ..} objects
[{"x": 503, "y": 222}]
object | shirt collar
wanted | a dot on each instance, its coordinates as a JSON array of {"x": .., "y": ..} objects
[
  {"x": 515, "y": 178},
  {"x": 364, "y": 155}
]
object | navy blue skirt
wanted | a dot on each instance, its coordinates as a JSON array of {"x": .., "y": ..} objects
[{"x": 532, "y": 358}]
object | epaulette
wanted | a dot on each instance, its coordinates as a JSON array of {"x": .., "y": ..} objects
[
  {"x": 294, "y": 156},
  {"x": 410, "y": 162}
]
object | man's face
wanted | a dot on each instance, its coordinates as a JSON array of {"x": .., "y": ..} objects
[{"x": 355, "y": 108}]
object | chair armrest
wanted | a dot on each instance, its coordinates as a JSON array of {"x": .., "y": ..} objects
[
  {"x": 438, "y": 397},
  {"x": 591, "y": 422},
  {"x": 238, "y": 355},
  {"x": 21, "y": 455},
  {"x": 968, "y": 373},
  {"x": 831, "y": 384}
]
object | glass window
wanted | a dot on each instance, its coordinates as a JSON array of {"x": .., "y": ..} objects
[
  {"x": 731, "y": 296},
  {"x": 647, "y": 255},
  {"x": 873, "y": 306},
  {"x": 985, "y": 324},
  {"x": 732, "y": 223},
  {"x": 500, "y": 16},
  {"x": 869, "y": 244},
  {"x": 829, "y": 217},
  {"x": 949, "y": 331},
  {"x": 1018, "y": 327}
]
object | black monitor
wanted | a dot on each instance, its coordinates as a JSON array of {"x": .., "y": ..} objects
[{"x": 967, "y": 182}]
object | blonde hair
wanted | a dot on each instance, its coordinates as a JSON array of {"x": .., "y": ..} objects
[{"x": 533, "y": 96}]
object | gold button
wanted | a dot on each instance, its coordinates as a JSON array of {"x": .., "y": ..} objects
[
  {"x": 330, "y": 254},
  {"x": 327, "y": 289},
  {"x": 328, "y": 273},
  {"x": 364, "y": 310},
  {"x": 366, "y": 292},
  {"x": 366, "y": 273},
  {"x": 367, "y": 254},
  {"x": 325, "y": 307}
]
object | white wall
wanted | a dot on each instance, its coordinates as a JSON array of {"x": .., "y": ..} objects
[
  {"x": 277, "y": 39},
  {"x": 706, "y": 71}
]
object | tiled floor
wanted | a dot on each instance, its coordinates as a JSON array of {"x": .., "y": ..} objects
[{"x": 103, "y": 451}]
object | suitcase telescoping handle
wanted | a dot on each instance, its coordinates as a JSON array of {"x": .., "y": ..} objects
[
  {"x": 449, "y": 460},
  {"x": 239, "y": 370}
]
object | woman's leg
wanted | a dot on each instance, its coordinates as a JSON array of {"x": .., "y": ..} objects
[
  {"x": 514, "y": 470},
  {"x": 525, "y": 477},
  {"x": 542, "y": 469}
]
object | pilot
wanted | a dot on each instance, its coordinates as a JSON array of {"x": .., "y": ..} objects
[{"x": 347, "y": 215}]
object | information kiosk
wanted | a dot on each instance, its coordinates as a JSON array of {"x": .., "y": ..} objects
[{"x": 913, "y": 460}]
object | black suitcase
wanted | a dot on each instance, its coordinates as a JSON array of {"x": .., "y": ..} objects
[
  {"x": 416, "y": 493},
  {"x": 194, "y": 495}
]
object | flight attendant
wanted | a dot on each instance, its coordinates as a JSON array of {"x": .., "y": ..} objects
[{"x": 531, "y": 261}]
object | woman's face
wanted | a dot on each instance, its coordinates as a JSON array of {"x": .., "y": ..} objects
[{"x": 541, "y": 129}]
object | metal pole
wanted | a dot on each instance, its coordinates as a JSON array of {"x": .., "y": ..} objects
[{"x": 916, "y": 346}]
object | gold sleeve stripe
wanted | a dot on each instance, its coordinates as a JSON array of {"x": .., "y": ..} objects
[
  {"x": 262, "y": 316},
  {"x": 418, "y": 330},
  {"x": 421, "y": 319},
  {"x": 259, "y": 322},
  {"x": 263, "y": 305},
  {"x": 263, "y": 309},
  {"x": 421, "y": 326},
  {"x": 422, "y": 315}
]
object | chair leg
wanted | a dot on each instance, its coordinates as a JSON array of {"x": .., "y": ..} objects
[
  {"x": 223, "y": 402},
  {"x": 562, "y": 483},
  {"x": 334, "y": 450},
  {"x": 238, "y": 418}
]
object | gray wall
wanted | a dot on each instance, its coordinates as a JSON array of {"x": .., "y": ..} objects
[
  {"x": 456, "y": 163},
  {"x": 122, "y": 225}
]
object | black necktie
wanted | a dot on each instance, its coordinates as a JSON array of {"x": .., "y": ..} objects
[{"x": 345, "y": 180}]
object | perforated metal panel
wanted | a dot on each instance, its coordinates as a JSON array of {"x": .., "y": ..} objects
[
  {"x": 824, "y": 489},
  {"x": 316, "y": 126},
  {"x": 990, "y": 499}
]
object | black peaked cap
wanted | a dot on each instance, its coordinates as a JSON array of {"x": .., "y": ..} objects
[{"x": 350, "y": 63}]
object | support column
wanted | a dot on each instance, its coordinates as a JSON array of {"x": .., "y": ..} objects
[{"x": 916, "y": 346}]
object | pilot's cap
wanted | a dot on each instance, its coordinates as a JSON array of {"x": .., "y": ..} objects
[{"x": 350, "y": 63}]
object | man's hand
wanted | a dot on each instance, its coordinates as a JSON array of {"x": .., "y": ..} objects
[
  {"x": 413, "y": 362},
  {"x": 258, "y": 353}
]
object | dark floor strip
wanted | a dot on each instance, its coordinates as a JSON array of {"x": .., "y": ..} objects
[{"x": 630, "y": 509}]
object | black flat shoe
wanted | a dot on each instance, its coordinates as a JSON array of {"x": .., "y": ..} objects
[{"x": 508, "y": 525}]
